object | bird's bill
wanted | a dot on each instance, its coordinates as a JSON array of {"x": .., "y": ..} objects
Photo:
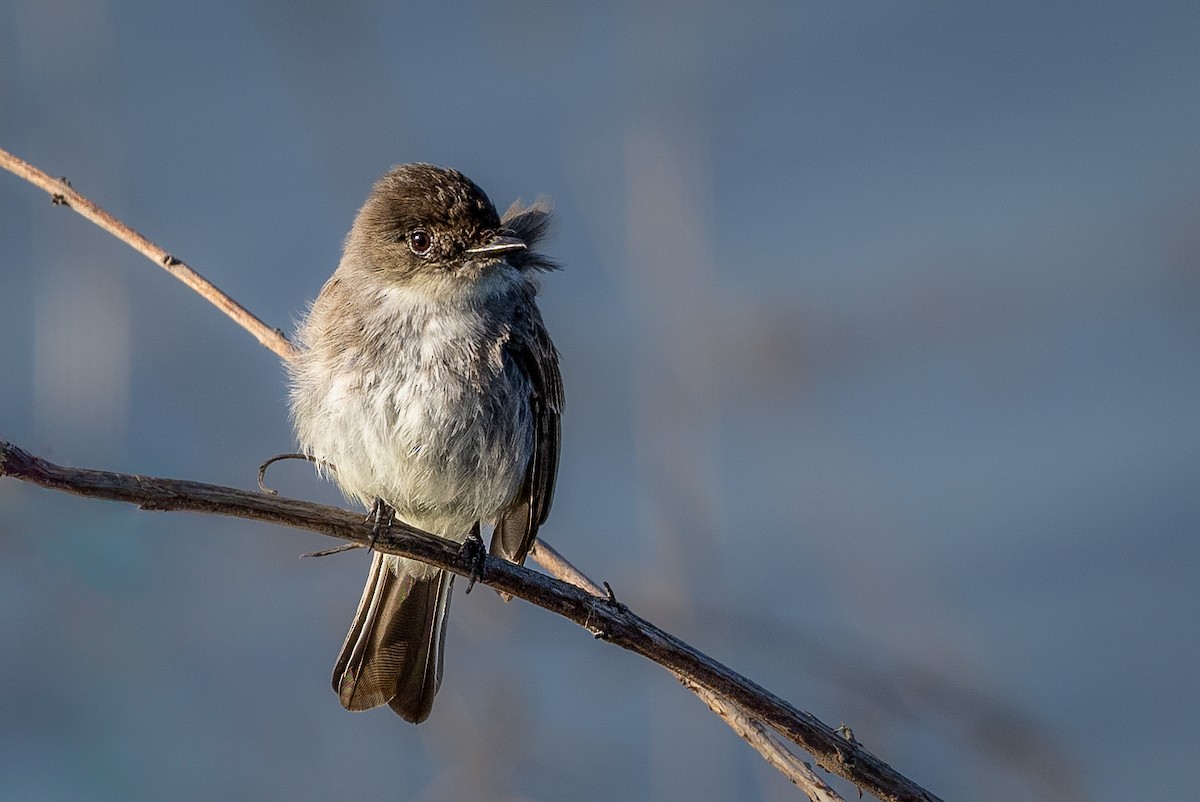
[{"x": 498, "y": 245}]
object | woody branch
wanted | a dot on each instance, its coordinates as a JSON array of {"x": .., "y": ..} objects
[{"x": 745, "y": 706}]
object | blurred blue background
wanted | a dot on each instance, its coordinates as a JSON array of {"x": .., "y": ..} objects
[{"x": 880, "y": 333}]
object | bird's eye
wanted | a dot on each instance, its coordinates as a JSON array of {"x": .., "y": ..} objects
[{"x": 419, "y": 242}]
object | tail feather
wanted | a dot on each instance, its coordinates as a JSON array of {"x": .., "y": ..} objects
[{"x": 393, "y": 652}]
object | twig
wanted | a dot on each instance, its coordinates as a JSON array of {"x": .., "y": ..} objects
[
  {"x": 751, "y": 730},
  {"x": 63, "y": 194},
  {"x": 746, "y": 726},
  {"x": 614, "y": 622},
  {"x": 557, "y": 565}
]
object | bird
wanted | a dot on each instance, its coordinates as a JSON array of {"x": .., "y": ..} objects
[{"x": 427, "y": 387}]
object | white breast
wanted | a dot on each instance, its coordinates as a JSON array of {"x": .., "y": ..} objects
[{"x": 426, "y": 413}]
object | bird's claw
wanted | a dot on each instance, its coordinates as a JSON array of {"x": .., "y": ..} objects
[
  {"x": 473, "y": 550},
  {"x": 380, "y": 518}
]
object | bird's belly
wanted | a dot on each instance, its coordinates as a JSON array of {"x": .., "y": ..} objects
[{"x": 443, "y": 452}]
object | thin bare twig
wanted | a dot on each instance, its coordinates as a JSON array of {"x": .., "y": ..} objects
[
  {"x": 745, "y": 725},
  {"x": 763, "y": 740},
  {"x": 608, "y": 620},
  {"x": 557, "y": 565},
  {"x": 63, "y": 194}
]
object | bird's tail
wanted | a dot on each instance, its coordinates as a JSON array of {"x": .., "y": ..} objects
[{"x": 393, "y": 652}]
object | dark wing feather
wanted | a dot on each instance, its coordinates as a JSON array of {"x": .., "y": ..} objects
[{"x": 534, "y": 355}]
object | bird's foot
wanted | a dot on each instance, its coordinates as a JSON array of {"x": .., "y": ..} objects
[
  {"x": 473, "y": 550},
  {"x": 380, "y": 518}
]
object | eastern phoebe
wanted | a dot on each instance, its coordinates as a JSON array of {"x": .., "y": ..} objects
[{"x": 426, "y": 381}]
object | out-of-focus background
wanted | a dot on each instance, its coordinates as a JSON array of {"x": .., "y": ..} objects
[{"x": 879, "y": 325}]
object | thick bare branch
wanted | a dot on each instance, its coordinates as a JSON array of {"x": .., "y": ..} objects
[{"x": 608, "y": 619}]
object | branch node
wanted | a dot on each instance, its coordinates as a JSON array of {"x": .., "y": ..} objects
[
  {"x": 58, "y": 198},
  {"x": 611, "y": 599},
  {"x": 170, "y": 261}
]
